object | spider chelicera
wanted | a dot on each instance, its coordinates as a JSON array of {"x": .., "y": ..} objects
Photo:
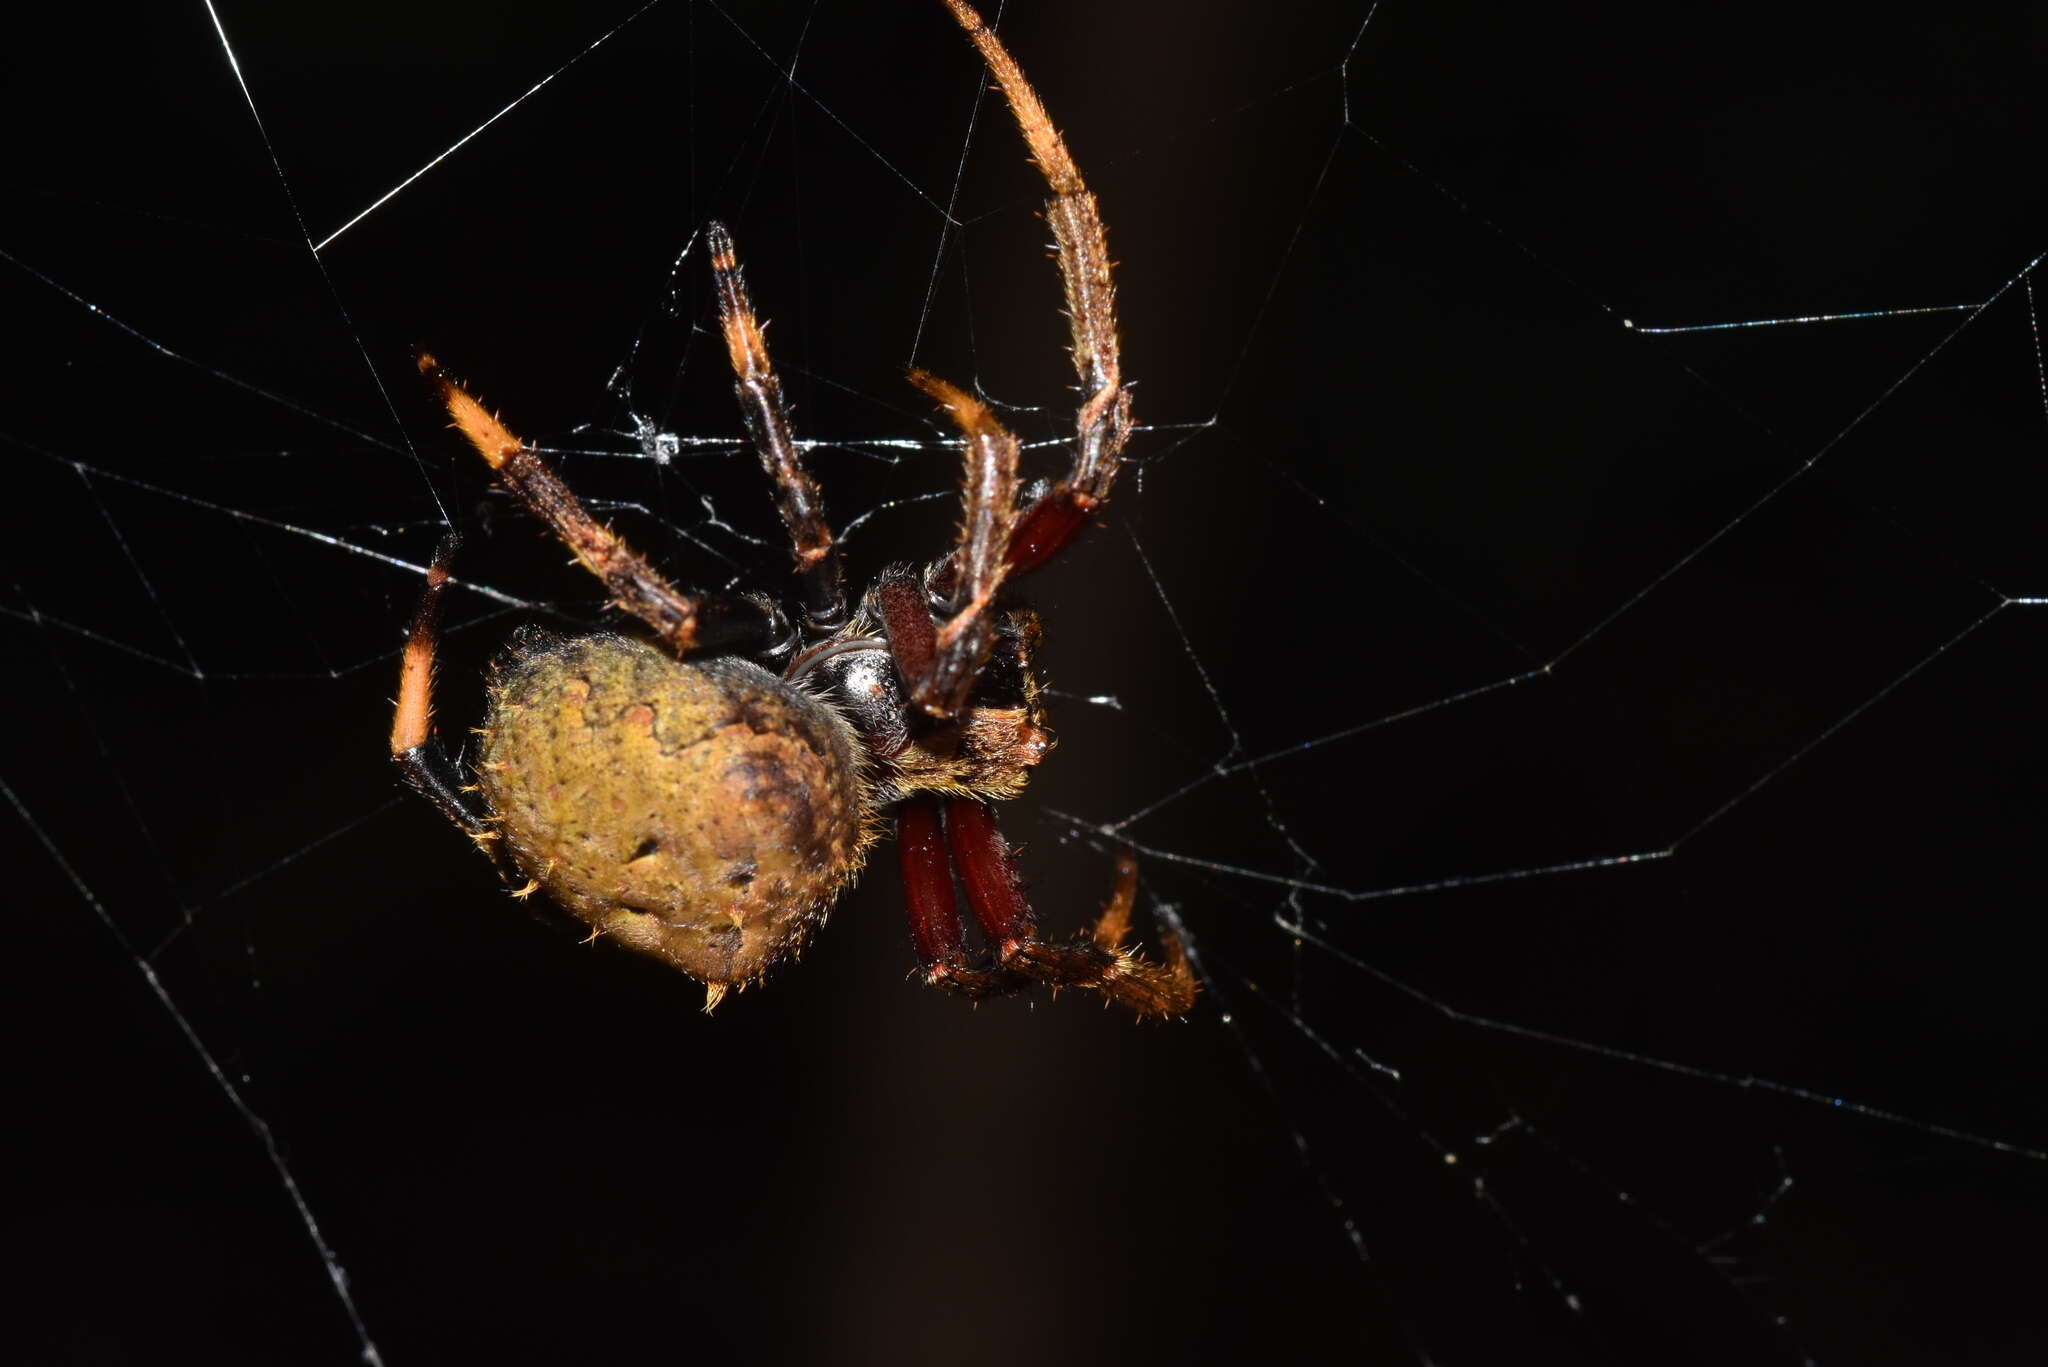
[{"x": 705, "y": 796}]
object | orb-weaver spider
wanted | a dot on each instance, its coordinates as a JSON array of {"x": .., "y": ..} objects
[{"x": 705, "y": 796}]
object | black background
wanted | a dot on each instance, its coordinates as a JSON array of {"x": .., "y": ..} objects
[{"x": 1407, "y": 449}]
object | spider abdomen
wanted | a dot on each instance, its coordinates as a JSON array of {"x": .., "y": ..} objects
[{"x": 705, "y": 812}]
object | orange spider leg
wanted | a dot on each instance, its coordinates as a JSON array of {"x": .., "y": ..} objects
[
  {"x": 987, "y": 509},
  {"x": 1103, "y": 424}
]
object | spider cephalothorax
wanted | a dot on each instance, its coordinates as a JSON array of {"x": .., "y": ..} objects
[{"x": 705, "y": 796}]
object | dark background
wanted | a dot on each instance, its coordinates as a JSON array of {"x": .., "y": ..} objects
[{"x": 1557, "y": 589}]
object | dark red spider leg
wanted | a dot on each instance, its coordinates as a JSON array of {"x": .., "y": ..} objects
[
  {"x": 1047, "y": 526},
  {"x": 928, "y": 883},
  {"x": 935, "y": 925},
  {"x": 1038, "y": 534},
  {"x": 989, "y": 875},
  {"x": 907, "y": 623},
  {"x": 915, "y": 641}
]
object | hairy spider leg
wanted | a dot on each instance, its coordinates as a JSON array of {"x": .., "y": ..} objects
[
  {"x": 939, "y": 840},
  {"x": 935, "y": 925},
  {"x": 940, "y": 665},
  {"x": 418, "y": 752},
  {"x": 1103, "y": 424},
  {"x": 822, "y": 581},
  {"x": 935, "y": 839},
  {"x": 899, "y": 598},
  {"x": 978, "y": 567},
  {"x": 1098, "y": 961},
  {"x": 684, "y": 621}
]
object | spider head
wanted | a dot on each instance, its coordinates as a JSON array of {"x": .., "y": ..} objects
[{"x": 986, "y": 750}]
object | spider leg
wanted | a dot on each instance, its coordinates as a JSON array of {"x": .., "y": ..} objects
[
  {"x": 935, "y": 925},
  {"x": 418, "y": 752},
  {"x": 823, "y": 587},
  {"x": 1103, "y": 424},
  {"x": 685, "y": 622},
  {"x": 977, "y": 569},
  {"x": 1097, "y": 961},
  {"x": 899, "y": 599}
]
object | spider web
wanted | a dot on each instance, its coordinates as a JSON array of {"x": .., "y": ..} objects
[{"x": 1566, "y": 652}]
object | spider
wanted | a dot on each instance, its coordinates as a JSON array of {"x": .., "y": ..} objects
[{"x": 704, "y": 796}]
